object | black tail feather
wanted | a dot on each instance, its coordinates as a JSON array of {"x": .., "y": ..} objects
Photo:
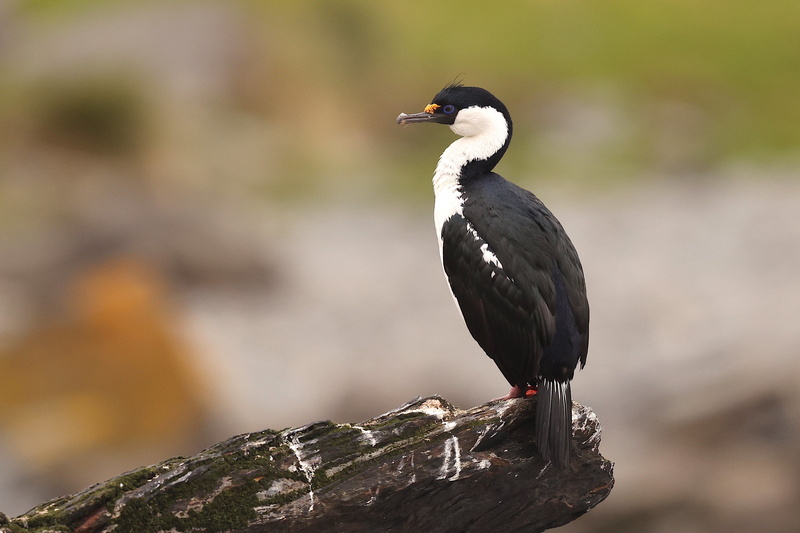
[{"x": 554, "y": 421}]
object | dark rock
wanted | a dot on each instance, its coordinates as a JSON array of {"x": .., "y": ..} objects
[{"x": 424, "y": 466}]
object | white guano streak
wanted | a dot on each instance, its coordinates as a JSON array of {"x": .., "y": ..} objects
[
  {"x": 451, "y": 451},
  {"x": 366, "y": 433},
  {"x": 305, "y": 467}
]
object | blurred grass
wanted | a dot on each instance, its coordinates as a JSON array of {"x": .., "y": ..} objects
[
  {"x": 694, "y": 85},
  {"x": 739, "y": 59},
  {"x": 672, "y": 86}
]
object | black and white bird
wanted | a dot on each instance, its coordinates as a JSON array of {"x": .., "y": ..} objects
[{"x": 511, "y": 267}]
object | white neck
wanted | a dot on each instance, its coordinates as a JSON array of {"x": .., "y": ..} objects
[{"x": 483, "y": 131}]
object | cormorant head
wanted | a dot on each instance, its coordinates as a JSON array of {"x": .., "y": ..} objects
[
  {"x": 469, "y": 111},
  {"x": 481, "y": 119}
]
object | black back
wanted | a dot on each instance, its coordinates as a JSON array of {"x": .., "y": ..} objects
[{"x": 531, "y": 314}]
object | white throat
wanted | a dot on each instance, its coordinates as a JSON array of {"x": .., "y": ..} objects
[{"x": 483, "y": 132}]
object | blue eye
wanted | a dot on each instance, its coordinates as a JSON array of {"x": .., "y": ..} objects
[{"x": 448, "y": 109}]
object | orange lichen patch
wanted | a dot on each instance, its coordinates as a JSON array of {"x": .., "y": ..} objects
[{"x": 430, "y": 108}]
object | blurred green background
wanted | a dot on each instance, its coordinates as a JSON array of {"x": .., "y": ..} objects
[{"x": 210, "y": 224}]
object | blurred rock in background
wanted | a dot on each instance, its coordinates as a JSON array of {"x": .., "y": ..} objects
[
  {"x": 110, "y": 380},
  {"x": 210, "y": 224}
]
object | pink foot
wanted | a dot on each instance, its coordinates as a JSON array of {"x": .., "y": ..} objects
[{"x": 518, "y": 392}]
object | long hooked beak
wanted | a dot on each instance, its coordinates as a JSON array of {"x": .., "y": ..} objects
[{"x": 403, "y": 118}]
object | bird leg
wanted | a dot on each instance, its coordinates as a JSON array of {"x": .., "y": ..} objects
[{"x": 518, "y": 392}]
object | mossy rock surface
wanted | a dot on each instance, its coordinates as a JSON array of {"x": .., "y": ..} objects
[{"x": 411, "y": 469}]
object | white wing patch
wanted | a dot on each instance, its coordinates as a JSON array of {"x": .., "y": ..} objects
[
  {"x": 486, "y": 254},
  {"x": 489, "y": 257}
]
